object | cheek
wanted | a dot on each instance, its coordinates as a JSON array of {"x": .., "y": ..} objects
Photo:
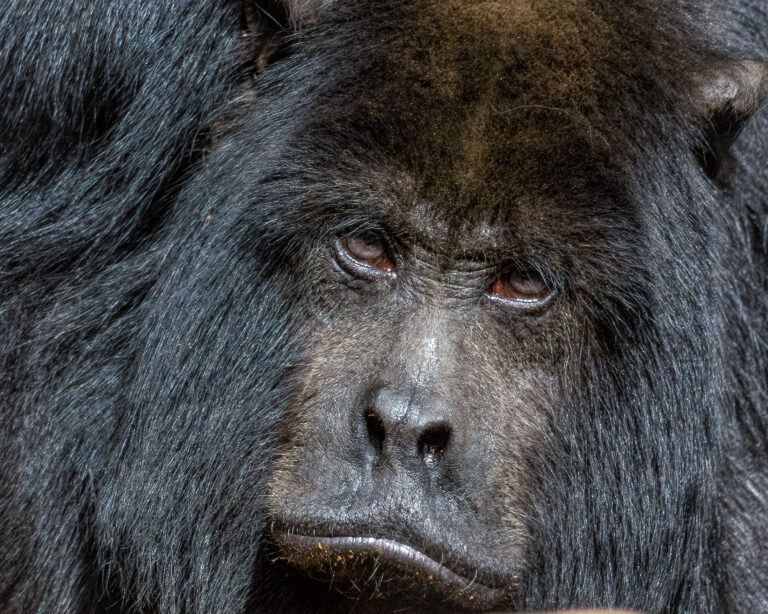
[
  {"x": 512, "y": 409},
  {"x": 509, "y": 381},
  {"x": 337, "y": 362}
]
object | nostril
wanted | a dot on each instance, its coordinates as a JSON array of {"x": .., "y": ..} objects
[
  {"x": 433, "y": 442},
  {"x": 376, "y": 432}
]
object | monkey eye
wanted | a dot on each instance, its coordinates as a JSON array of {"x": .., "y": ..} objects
[
  {"x": 523, "y": 285},
  {"x": 370, "y": 249}
]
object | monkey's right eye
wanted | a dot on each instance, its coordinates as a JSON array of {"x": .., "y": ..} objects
[{"x": 369, "y": 249}]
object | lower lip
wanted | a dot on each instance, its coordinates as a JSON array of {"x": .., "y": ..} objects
[{"x": 461, "y": 591}]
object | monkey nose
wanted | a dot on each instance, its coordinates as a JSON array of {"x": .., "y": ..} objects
[{"x": 406, "y": 426}]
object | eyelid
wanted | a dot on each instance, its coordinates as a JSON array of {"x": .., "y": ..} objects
[
  {"x": 356, "y": 267},
  {"x": 522, "y": 303}
]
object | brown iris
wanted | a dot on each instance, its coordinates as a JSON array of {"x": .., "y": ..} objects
[
  {"x": 527, "y": 286},
  {"x": 370, "y": 249}
]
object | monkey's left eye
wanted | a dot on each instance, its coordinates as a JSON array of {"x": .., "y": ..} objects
[
  {"x": 524, "y": 286},
  {"x": 370, "y": 249}
]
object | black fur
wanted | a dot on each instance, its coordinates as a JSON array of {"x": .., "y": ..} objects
[{"x": 171, "y": 176}]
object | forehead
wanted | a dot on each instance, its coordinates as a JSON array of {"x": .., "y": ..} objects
[{"x": 493, "y": 114}]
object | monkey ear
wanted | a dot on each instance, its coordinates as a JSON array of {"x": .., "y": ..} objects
[
  {"x": 726, "y": 98},
  {"x": 266, "y": 22}
]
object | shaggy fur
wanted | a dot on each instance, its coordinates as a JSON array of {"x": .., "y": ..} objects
[{"x": 181, "y": 351}]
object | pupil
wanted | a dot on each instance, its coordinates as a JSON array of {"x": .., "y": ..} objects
[{"x": 368, "y": 238}]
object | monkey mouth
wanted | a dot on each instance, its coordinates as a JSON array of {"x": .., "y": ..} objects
[{"x": 383, "y": 566}]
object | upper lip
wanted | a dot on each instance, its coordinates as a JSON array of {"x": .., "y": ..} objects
[{"x": 472, "y": 592}]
